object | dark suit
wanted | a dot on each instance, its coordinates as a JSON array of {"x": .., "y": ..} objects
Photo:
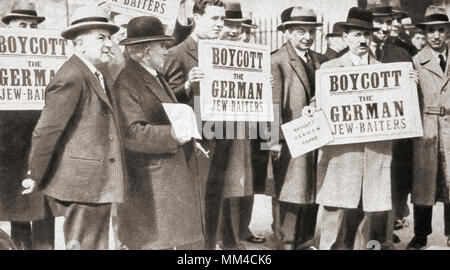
[
  {"x": 76, "y": 155},
  {"x": 162, "y": 208},
  {"x": 331, "y": 54},
  {"x": 293, "y": 206}
]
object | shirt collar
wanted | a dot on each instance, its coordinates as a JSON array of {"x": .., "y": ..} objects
[
  {"x": 301, "y": 54},
  {"x": 91, "y": 67},
  {"x": 151, "y": 70},
  {"x": 436, "y": 54},
  {"x": 358, "y": 61}
]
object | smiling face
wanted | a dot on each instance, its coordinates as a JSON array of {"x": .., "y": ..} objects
[
  {"x": 232, "y": 30},
  {"x": 437, "y": 35},
  {"x": 210, "y": 24},
  {"x": 358, "y": 41},
  {"x": 301, "y": 36},
  {"x": 385, "y": 25},
  {"x": 95, "y": 45},
  {"x": 23, "y": 23}
]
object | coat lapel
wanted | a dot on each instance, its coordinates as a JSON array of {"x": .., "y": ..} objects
[
  {"x": 429, "y": 62},
  {"x": 93, "y": 80},
  {"x": 297, "y": 66},
  {"x": 151, "y": 82}
]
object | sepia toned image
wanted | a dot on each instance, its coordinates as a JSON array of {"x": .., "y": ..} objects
[{"x": 225, "y": 125}]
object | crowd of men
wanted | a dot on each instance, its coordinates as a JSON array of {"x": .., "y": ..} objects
[{"x": 104, "y": 147}]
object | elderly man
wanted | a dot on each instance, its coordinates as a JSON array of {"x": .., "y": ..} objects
[
  {"x": 183, "y": 75},
  {"x": 293, "y": 70},
  {"x": 162, "y": 208},
  {"x": 16, "y": 129},
  {"x": 76, "y": 154},
  {"x": 431, "y": 174}
]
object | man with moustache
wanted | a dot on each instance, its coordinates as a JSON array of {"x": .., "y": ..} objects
[
  {"x": 162, "y": 208},
  {"x": 76, "y": 152},
  {"x": 431, "y": 174},
  {"x": 293, "y": 70},
  {"x": 182, "y": 73},
  {"x": 32, "y": 222}
]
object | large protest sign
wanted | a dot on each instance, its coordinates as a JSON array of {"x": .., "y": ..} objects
[
  {"x": 369, "y": 103},
  {"x": 307, "y": 133},
  {"x": 29, "y": 60},
  {"x": 236, "y": 86},
  {"x": 165, "y": 10}
]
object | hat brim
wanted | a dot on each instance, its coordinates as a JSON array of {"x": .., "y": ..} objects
[
  {"x": 74, "y": 30},
  {"x": 130, "y": 41},
  {"x": 390, "y": 14},
  {"x": 358, "y": 26},
  {"x": 252, "y": 26},
  {"x": 424, "y": 24},
  {"x": 282, "y": 26},
  {"x": 10, "y": 16},
  {"x": 235, "y": 20}
]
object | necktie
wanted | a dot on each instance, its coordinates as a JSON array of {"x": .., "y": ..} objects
[
  {"x": 378, "y": 52},
  {"x": 442, "y": 62},
  {"x": 100, "y": 79}
]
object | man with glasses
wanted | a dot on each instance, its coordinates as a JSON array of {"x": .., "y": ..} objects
[{"x": 431, "y": 173}]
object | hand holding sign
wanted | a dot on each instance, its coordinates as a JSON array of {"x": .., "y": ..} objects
[
  {"x": 414, "y": 75},
  {"x": 195, "y": 75}
]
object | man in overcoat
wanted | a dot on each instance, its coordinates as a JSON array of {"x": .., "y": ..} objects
[
  {"x": 354, "y": 180},
  {"x": 76, "y": 154},
  {"x": 32, "y": 223},
  {"x": 293, "y": 71},
  {"x": 431, "y": 175},
  {"x": 162, "y": 209}
]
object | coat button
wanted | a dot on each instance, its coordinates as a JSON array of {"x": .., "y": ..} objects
[
  {"x": 112, "y": 160},
  {"x": 111, "y": 137}
]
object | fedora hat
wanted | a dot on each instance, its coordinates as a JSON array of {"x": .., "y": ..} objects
[
  {"x": 382, "y": 11},
  {"x": 336, "y": 32},
  {"x": 88, "y": 17},
  {"x": 407, "y": 23},
  {"x": 434, "y": 15},
  {"x": 359, "y": 18},
  {"x": 145, "y": 29},
  {"x": 22, "y": 9},
  {"x": 233, "y": 12},
  {"x": 298, "y": 16}
]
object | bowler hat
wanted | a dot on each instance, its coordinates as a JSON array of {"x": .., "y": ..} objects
[
  {"x": 233, "y": 12},
  {"x": 88, "y": 17},
  {"x": 249, "y": 24},
  {"x": 145, "y": 29},
  {"x": 298, "y": 16},
  {"x": 434, "y": 15},
  {"x": 22, "y": 9},
  {"x": 359, "y": 18},
  {"x": 337, "y": 30}
]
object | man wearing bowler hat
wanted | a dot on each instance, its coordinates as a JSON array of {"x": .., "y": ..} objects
[
  {"x": 431, "y": 173},
  {"x": 76, "y": 152},
  {"x": 351, "y": 191},
  {"x": 32, "y": 224},
  {"x": 162, "y": 208},
  {"x": 293, "y": 71}
]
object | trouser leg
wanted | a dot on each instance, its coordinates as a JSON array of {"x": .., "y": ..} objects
[
  {"x": 43, "y": 230},
  {"x": 305, "y": 226},
  {"x": 422, "y": 220},
  {"x": 230, "y": 223},
  {"x": 246, "y": 210},
  {"x": 21, "y": 234}
]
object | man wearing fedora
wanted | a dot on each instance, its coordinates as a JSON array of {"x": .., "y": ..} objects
[
  {"x": 293, "y": 71},
  {"x": 76, "y": 152},
  {"x": 351, "y": 191},
  {"x": 32, "y": 224},
  {"x": 431, "y": 174},
  {"x": 335, "y": 42},
  {"x": 183, "y": 75},
  {"x": 162, "y": 209}
]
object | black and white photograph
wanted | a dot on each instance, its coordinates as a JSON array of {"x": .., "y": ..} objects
[{"x": 225, "y": 125}]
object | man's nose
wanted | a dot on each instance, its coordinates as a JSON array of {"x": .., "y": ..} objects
[
  {"x": 436, "y": 34},
  {"x": 384, "y": 27},
  {"x": 307, "y": 35},
  {"x": 108, "y": 43}
]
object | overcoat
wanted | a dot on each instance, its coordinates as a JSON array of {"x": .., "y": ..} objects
[
  {"x": 162, "y": 207},
  {"x": 16, "y": 128},
  {"x": 76, "y": 153},
  {"x": 434, "y": 93},
  {"x": 349, "y": 173},
  {"x": 295, "y": 179}
]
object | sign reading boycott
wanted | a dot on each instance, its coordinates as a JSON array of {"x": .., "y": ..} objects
[
  {"x": 369, "y": 103},
  {"x": 30, "y": 59},
  {"x": 165, "y": 10},
  {"x": 236, "y": 86}
]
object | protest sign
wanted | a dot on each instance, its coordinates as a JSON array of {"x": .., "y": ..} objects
[
  {"x": 307, "y": 133},
  {"x": 165, "y": 10},
  {"x": 30, "y": 59},
  {"x": 183, "y": 120},
  {"x": 369, "y": 103},
  {"x": 236, "y": 86}
]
